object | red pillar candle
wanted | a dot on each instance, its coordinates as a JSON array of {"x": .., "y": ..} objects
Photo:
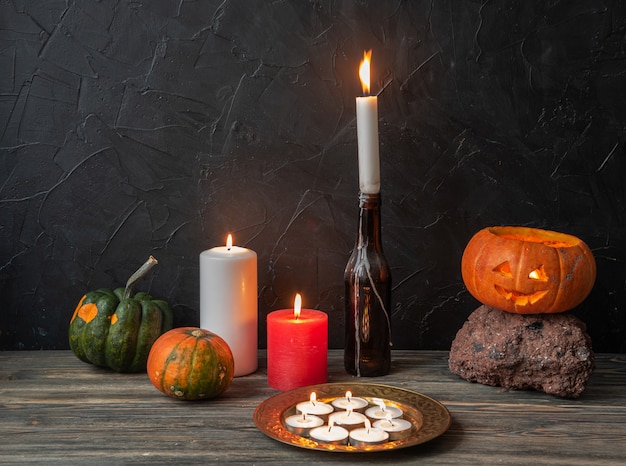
[{"x": 297, "y": 347}]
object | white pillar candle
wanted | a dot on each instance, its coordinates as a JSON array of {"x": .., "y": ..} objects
[
  {"x": 315, "y": 407},
  {"x": 382, "y": 411},
  {"x": 301, "y": 424},
  {"x": 348, "y": 419},
  {"x": 350, "y": 402},
  {"x": 367, "y": 133},
  {"x": 367, "y": 435},
  {"x": 396, "y": 428},
  {"x": 229, "y": 302},
  {"x": 331, "y": 433}
]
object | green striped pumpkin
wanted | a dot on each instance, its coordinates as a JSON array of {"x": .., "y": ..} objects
[
  {"x": 114, "y": 329},
  {"x": 190, "y": 363}
]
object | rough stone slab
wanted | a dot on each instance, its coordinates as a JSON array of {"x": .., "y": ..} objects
[{"x": 546, "y": 352}]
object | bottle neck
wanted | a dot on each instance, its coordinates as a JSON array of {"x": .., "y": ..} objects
[{"x": 369, "y": 221}]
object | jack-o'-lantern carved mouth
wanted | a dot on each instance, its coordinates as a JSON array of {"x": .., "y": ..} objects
[
  {"x": 520, "y": 299},
  {"x": 517, "y": 297}
]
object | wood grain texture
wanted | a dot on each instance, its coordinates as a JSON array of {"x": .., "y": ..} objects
[{"x": 56, "y": 409}]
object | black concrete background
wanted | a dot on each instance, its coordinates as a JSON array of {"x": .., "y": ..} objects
[{"x": 137, "y": 128}]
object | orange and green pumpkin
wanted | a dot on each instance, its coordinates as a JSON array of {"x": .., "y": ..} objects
[
  {"x": 528, "y": 270},
  {"x": 116, "y": 329},
  {"x": 190, "y": 363}
]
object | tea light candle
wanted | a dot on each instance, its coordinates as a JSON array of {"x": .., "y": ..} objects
[
  {"x": 380, "y": 411},
  {"x": 297, "y": 347},
  {"x": 349, "y": 419},
  {"x": 301, "y": 424},
  {"x": 229, "y": 302},
  {"x": 355, "y": 404},
  {"x": 367, "y": 435},
  {"x": 335, "y": 435},
  {"x": 396, "y": 428},
  {"x": 315, "y": 407}
]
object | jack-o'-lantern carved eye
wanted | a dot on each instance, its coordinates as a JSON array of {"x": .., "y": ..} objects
[
  {"x": 503, "y": 269},
  {"x": 538, "y": 274}
]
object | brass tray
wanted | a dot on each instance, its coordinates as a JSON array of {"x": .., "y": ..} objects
[{"x": 430, "y": 418}]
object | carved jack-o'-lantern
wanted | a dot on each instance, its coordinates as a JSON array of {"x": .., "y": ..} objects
[{"x": 527, "y": 270}]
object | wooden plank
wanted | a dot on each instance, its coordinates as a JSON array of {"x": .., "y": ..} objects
[{"x": 56, "y": 409}]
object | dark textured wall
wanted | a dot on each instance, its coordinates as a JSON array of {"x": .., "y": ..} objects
[{"x": 137, "y": 128}]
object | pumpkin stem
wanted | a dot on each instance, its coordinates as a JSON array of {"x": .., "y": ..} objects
[
  {"x": 138, "y": 275},
  {"x": 197, "y": 333}
]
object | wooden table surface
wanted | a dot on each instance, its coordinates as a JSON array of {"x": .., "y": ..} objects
[{"x": 56, "y": 409}]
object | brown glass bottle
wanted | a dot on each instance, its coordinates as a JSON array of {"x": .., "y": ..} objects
[{"x": 367, "y": 350}]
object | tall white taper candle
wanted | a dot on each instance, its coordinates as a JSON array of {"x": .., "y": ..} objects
[{"x": 367, "y": 133}]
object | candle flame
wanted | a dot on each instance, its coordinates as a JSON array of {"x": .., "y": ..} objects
[
  {"x": 368, "y": 425},
  {"x": 364, "y": 72},
  {"x": 331, "y": 423},
  {"x": 388, "y": 419},
  {"x": 380, "y": 403},
  {"x": 297, "y": 306},
  {"x": 313, "y": 398},
  {"x": 229, "y": 242},
  {"x": 348, "y": 395}
]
